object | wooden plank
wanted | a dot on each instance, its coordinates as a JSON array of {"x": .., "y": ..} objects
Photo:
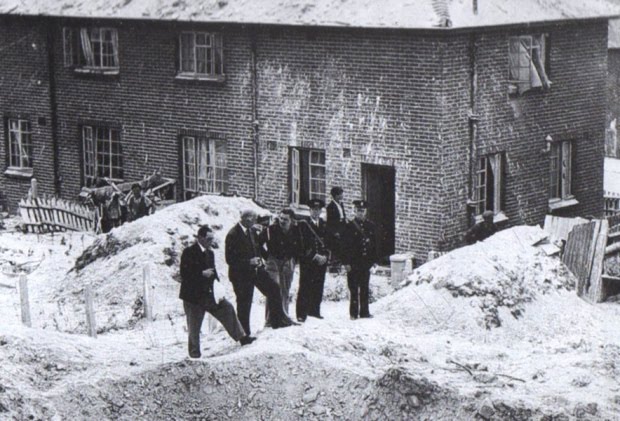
[
  {"x": 24, "y": 300},
  {"x": 90, "y": 311},
  {"x": 597, "y": 291},
  {"x": 610, "y": 278}
]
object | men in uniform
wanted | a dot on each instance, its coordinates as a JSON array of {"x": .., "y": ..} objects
[
  {"x": 198, "y": 274},
  {"x": 359, "y": 241},
  {"x": 313, "y": 263},
  {"x": 283, "y": 246},
  {"x": 483, "y": 229},
  {"x": 246, "y": 270},
  {"x": 336, "y": 221}
]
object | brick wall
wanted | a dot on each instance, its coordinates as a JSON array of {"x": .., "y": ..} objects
[
  {"x": 373, "y": 93},
  {"x": 152, "y": 107},
  {"x": 395, "y": 98},
  {"x": 24, "y": 94},
  {"x": 573, "y": 109}
]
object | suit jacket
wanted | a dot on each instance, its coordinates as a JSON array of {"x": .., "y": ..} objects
[
  {"x": 360, "y": 244},
  {"x": 239, "y": 252},
  {"x": 335, "y": 224},
  {"x": 195, "y": 287},
  {"x": 311, "y": 244}
]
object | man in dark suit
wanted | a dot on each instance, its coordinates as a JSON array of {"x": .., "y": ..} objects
[
  {"x": 359, "y": 241},
  {"x": 312, "y": 264},
  {"x": 198, "y": 274},
  {"x": 246, "y": 270},
  {"x": 336, "y": 221}
]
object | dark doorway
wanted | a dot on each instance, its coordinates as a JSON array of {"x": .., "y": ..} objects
[{"x": 378, "y": 185}]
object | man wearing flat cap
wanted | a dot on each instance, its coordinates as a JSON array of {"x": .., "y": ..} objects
[
  {"x": 198, "y": 273},
  {"x": 483, "y": 229},
  {"x": 313, "y": 263},
  {"x": 360, "y": 254}
]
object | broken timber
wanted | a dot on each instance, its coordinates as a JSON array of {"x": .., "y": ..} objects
[{"x": 584, "y": 255}]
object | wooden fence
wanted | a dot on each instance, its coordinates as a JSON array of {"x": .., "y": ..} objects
[
  {"x": 44, "y": 214},
  {"x": 584, "y": 255}
]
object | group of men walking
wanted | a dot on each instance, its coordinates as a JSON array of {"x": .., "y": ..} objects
[{"x": 263, "y": 256}]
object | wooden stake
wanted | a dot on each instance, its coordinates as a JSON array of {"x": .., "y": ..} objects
[
  {"x": 34, "y": 188},
  {"x": 148, "y": 298},
  {"x": 90, "y": 312},
  {"x": 25, "y": 302}
]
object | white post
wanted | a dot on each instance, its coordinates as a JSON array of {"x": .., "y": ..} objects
[
  {"x": 34, "y": 188},
  {"x": 25, "y": 302},
  {"x": 147, "y": 295},
  {"x": 90, "y": 312},
  {"x": 397, "y": 268}
]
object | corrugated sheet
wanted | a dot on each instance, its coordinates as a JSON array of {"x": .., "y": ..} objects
[
  {"x": 421, "y": 14},
  {"x": 611, "y": 183},
  {"x": 613, "y": 40}
]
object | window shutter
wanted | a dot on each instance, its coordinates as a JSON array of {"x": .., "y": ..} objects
[
  {"x": 295, "y": 176},
  {"x": 567, "y": 158},
  {"x": 221, "y": 164},
  {"x": 67, "y": 45},
  {"x": 114, "y": 34}
]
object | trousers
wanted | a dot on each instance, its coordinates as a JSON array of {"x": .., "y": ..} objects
[{"x": 223, "y": 311}]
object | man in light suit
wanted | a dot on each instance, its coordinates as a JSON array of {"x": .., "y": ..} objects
[
  {"x": 246, "y": 270},
  {"x": 198, "y": 273}
]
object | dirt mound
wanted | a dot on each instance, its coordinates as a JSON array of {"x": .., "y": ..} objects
[
  {"x": 504, "y": 272},
  {"x": 114, "y": 264}
]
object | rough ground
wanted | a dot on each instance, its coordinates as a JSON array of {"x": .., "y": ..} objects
[{"x": 491, "y": 331}]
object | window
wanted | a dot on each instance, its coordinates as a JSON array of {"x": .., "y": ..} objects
[
  {"x": 201, "y": 55},
  {"x": 307, "y": 175},
  {"x": 91, "y": 49},
  {"x": 560, "y": 174},
  {"x": 489, "y": 184},
  {"x": 528, "y": 60},
  {"x": 103, "y": 156},
  {"x": 20, "y": 143},
  {"x": 205, "y": 168}
]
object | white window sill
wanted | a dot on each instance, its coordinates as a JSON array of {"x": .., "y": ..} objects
[
  {"x": 205, "y": 78},
  {"x": 109, "y": 71},
  {"x": 18, "y": 172},
  {"x": 499, "y": 217},
  {"x": 555, "y": 204}
]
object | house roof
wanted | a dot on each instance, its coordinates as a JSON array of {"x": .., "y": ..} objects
[
  {"x": 412, "y": 14},
  {"x": 611, "y": 183}
]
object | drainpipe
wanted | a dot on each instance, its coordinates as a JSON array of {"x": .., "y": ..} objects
[
  {"x": 53, "y": 106},
  {"x": 473, "y": 122},
  {"x": 254, "y": 109}
]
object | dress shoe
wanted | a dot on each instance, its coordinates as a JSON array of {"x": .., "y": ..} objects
[
  {"x": 367, "y": 316},
  {"x": 353, "y": 317},
  {"x": 316, "y": 316},
  {"x": 194, "y": 357},
  {"x": 301, "y": 319},
  {"x": 247, "y": 340}
]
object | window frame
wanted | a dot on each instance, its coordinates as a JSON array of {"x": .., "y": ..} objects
[
  {"x": 22, "y": 160},
  {"x": 100, "y": 55},
  {"x": 561, "y": 171},
  {"x": 485, "y": 164},
  {"x": 536, "y": 63},
  {"x": 213, "y": 47},
  {"x": 92, "y": 155},
  {"x": 301, "y": 187},
  {"x": 214, "y": 161}
]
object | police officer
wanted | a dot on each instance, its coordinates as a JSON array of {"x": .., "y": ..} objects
[
  {"x": 313, "y": 263},
  {"x": 359, "y": 255}
]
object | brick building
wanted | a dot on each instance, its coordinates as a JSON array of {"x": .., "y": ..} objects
[{"x": 434, "y": 112}]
